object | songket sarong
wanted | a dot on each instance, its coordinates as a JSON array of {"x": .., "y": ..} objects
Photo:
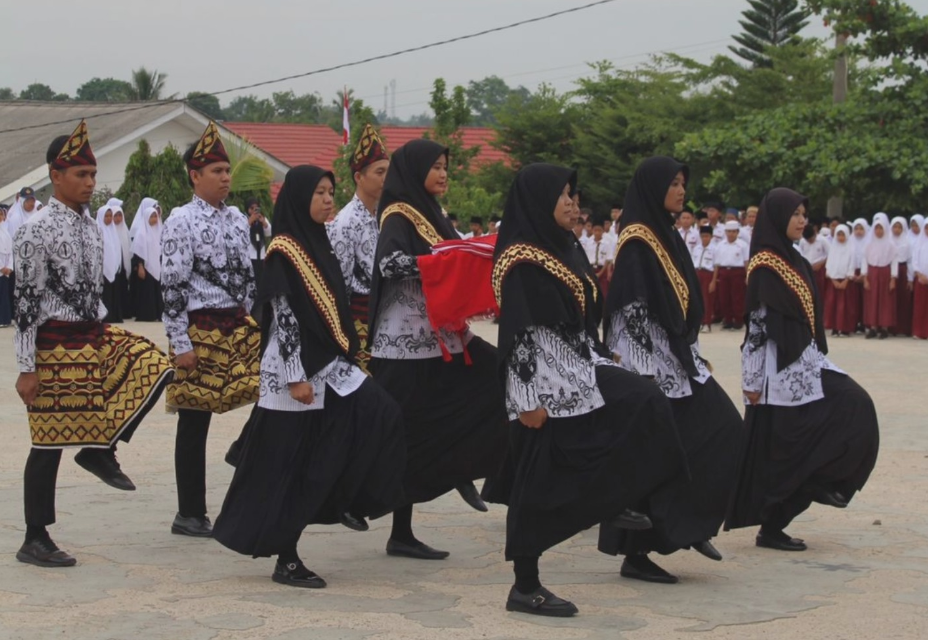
[
  {"x": 228, "y": 347},
  {"x": 359, "y": 313},
  {"x": 96, "y": 383}
]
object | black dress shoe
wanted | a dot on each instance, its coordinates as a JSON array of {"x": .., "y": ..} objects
[
  {"x": 469, "y": 492},
  {"x": 540, "y": 602},
  {"x": 633, "y": 521},
  {"x": 707, "y": 549},
  {"x": 780, "y": 541},
  {"x": 870, "y": 334},
  {"x": 829, "y": 498},
  {"x": 194, "y": 527},
  {"x": 419, "y": 550},
  {"x": 43, "y": 552},
  {"x": 103, "y": 464},
  {"x": 234, "y": 454},
  {"x": 353, "y": 522},
  {"x": 643, "y": 568},
  {"x": 295, "y": 574}
]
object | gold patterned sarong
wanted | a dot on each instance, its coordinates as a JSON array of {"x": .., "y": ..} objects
[
  {"x": 96, "y": 383},
  {"x": 228, "y": 347}
]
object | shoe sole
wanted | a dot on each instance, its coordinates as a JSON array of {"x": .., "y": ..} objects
[
  {"x": 652, "y": 579},
  {"x": 27, "y": 559},
  {"x": 518, "y": 607},
  {"x": 403, "y": 554},
  {"x": 299, "y": 585},
  {"x": 765, "y": 545},
  {"x": 177, "y": 531}
]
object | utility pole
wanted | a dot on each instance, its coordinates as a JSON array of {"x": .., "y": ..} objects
[{"x": 836, "y": 203}]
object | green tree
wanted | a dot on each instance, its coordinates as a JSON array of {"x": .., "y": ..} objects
[
  {"x": 537, "y": 128},
  {"x": 359, "y": 115},
  {"x": 104, "y": 90},
  {"x": 7, "y": 94},
  {"x": 250, "y": 109},
  {"x": 39, "y": 91},
  {"x": 451, "y": 114},
  {"x": 767, "y": 24},
  {"x": 148, "y": 85},
  {"x": 486, "y": 97},
  {"x": 162, "y": 177},
  {"x": 304, "y": 109},
  {"x": 205, "y": 102}
]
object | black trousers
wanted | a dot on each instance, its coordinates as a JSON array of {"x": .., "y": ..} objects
[
  {"x": 39, "y": 482},
  {"x": 190, "y": 461}
]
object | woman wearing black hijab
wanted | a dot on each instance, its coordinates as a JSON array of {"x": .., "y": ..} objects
[
  {"x": 445, "y": 382},
  {"x": 654, "y": 312},
  {"x": 587, "y": 439},
  {"x": 812, "y": 432},
  {"x": 325, "y": 443}
]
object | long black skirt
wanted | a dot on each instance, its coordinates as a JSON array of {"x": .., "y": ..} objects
[
  {"x": 690, "y": 509},
  {"x": 832, "y": 443},
  {"x": 455, "y": 418},
  {"x": 122, "y": 294},
  {"x": 576, "y": 472},
  {"x": 302, "y": 468},
  {"x": 112, "y": 302},
  {"x": 146, "y": 297}
]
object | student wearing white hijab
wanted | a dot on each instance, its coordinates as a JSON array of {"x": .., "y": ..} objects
[
  {"x": 139, "y": 220},
  {"x": 146, "y": 267},
  {"x": 841, "y": 307},
  {"x": 880, "y": 271},
  {"x": 122, "y": 277},
  {"x": 112, "y": 261},
  {"x": 901, "y": 237},
  {"x": 860, "y": 236},
  {"x": 6, "y": 271},
  {"x": 916, "y": 225},
  {"x": 920, "y": 269}
]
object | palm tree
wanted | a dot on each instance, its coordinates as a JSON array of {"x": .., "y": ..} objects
[{"x": 147, "y": 85}]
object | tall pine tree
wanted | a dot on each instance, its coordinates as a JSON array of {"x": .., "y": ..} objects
[{"x": 768, "y": 23}]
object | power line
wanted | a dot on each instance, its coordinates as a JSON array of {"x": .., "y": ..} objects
[{"x": 344, "y": 65}]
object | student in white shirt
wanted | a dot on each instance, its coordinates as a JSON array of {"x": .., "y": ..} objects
[
  {"x": 704, "y": 261},
  {"x": 688, "y": 231},
  {"x": 731, "y": 258}
]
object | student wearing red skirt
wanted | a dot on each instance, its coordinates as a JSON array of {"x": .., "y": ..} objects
[
  {"x": 880, "y": 271},
  {"x": 704, "y": 261},
  {"x": 840, "y": 304},
  {"x": 903, "y": 244},
  {"x": 920, "y": 286}
]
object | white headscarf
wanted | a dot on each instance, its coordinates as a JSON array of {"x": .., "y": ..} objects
[
  {"x": 916, "y": 236},
  {"x": 902, "y": 242},
  {"x": 111, "y": 249},
  {"x": 841, "y": 262},
  {"x": 147, "y": 244},
  {"x": 859, "y": 244},
  {"x": 122, "y": 230},
  {"x": 6, "y": 240},
  {"x": 17, "y": 216},
  {"x": 920, "y": 252},
  {"x": 881, "y": 252},
  {"x": 137, "y": 221}
]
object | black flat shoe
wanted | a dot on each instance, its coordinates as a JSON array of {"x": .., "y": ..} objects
[
  {"x": 103, "y": 464},
  {"x": 540, "y": 602},
  {"x": 234, "y": 454},
  {"x": 632, "y": 520},
  {"x": 295, "y": 574},
  {"x": 643, "y": 568},
  {"x": 882, "y": 335},
  {"x": 779, "y": 541},
  {"x": 829, "y": 498},
  {"x": 707, "y": 549},
  {"x": 870, "y": 334},
  {"x": 42, "y": 552},
  {"x": 471, "y": 496},
  {"x": 418, "y": 551},
  {"x": 193, "y": 527},
  {"x": 356, "y": 523}
]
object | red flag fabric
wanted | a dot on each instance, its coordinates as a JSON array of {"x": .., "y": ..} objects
[
  {"x": 346, "y": 126},
  {"x": 456, "y": 281}
]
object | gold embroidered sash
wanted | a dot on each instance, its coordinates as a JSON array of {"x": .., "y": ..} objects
[
  {"x": 315, "y": 285},
  {"x": 677, "y": 281},
  {"x": 422, "y": 226},
  {"x": 519, "y": 253},
  {"x": 790, "y": 277}
]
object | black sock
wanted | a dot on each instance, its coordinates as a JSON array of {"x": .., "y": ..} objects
[
  {"x": 526, "y": 570},
  {"x": 34, "y": 532},
  {"x": 402, "y": 526}
]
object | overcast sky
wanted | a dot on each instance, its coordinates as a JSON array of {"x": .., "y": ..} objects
[{"x": 205, "y": 45}]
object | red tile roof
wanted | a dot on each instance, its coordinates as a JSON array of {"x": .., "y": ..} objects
[{"x": 318, "y": 144}]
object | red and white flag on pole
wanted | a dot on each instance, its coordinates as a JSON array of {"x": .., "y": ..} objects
[{"x": 346, "y": 125}]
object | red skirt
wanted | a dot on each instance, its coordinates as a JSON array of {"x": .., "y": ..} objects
[
  {"x": 904, "y": 302},
  {"x": 708, "y": 299},
  {"x": 841, "y": 307},
  {"x": 819, "y": 277},
  {"x": 880, "y": 302},
  {"x": 920, "y": 311},
  {"x": 731, "y": 290}
]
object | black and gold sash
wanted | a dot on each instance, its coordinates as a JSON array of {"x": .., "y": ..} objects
[
  {"x": 421, "y": 224},
  {"x": 790, "y": 277},
  {"x": 315, "y": 284},
  {"x": 677, "y": 281},
  {"x": 522, "y": 252}
]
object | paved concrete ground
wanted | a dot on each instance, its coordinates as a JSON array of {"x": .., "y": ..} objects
[{"x": 865, "y": 574}]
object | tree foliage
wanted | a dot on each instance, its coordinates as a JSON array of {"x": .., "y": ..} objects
[
  {"x": 162, "y": 177},
  {"x": 768, "y": 24},
  {"x": 207, "y": 103},
  {"x": 39, "y": 91},
  {"x": 104, "y": 90},
  {"x": 148, "y": 85}
]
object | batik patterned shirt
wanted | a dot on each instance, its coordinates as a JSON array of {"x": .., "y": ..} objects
[
  {"x": 205, "y": 264},
  {"x": 59, "y": 274},
  {"x": 354, "y": 238}
]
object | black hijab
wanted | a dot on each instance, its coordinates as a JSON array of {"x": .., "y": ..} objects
[
  {"x": 788, "y": 321},
  {"x": 530, "y": 294},
  {"x": 405, "y": 183},
  {"x": 639, "y": 275},
  {"x": 318, "y": 345}
]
